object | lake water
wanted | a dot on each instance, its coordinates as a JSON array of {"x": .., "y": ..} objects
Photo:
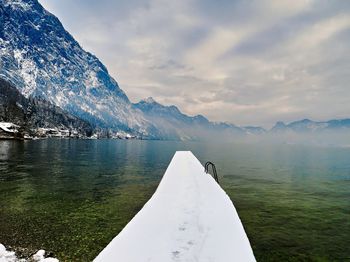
[{"x": 72, "y": 197}]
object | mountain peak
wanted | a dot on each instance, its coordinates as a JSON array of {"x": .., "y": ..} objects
[
  {"x": 280, "y": 124},
  {"x": 303, "y": 121},
  {"x": 149, "y": 100}
]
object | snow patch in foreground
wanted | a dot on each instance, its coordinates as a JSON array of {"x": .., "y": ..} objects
[
  {"x": 189, "y": 218},
  {"x": 10, "y": 256}
]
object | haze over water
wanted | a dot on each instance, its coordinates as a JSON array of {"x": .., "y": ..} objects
[{"x": 72, "y": 197}]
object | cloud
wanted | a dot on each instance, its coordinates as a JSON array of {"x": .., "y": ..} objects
[{"x": 246, "y": 62}]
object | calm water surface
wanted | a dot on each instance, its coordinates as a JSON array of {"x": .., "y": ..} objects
[{"x": 72, "y": 197}]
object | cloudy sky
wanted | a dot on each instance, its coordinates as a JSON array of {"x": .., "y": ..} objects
[{"x": 244, "y": 61}]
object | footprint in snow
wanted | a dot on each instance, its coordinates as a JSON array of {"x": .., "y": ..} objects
[{"x": 176, "y": 254}]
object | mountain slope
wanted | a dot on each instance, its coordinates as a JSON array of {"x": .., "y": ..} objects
[
  {"x": 43, "y": 60},
  {"x": 32, "y": 113}
]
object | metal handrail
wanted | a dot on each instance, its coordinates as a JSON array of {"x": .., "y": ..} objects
[{"x": 206, "y": 170}]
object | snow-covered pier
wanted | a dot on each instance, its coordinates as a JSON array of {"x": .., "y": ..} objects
[{"x": 189, "y": 218}]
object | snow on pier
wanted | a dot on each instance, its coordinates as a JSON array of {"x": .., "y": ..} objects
[{"x": 189, "y": 218}]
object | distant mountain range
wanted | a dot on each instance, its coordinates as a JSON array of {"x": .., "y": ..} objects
[
  {"x": 173, "y": 123},
  {"x": 44, "y": 63},
  {"x": 309, "y": 126}
]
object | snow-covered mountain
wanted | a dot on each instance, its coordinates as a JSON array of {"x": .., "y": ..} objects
[
  {"x": 169, "y": 119},
  {"x": 151, "y": 108},
  {"x": 42, "y": 59},
  {"x": 172, "y": 123}
]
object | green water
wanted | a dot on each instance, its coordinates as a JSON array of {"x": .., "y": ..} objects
[{"x": 72, "y": 197}]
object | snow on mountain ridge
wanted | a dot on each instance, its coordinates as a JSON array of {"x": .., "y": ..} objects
[{"x": 18, "y": 4}]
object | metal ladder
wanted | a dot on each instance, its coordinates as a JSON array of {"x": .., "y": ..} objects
[{"x": 206, "y": 169}]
